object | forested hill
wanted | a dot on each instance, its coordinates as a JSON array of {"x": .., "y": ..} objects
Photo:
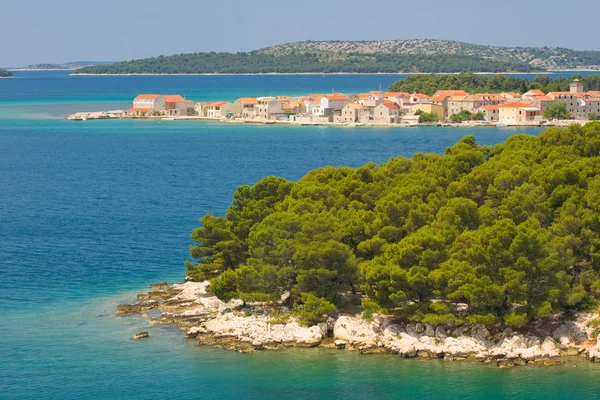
[
  {"x": 511, "y": 230},
  {"x": 472, "y": 83},
  {"x": 391, "y": 56},
  {"x": 5, "y": 74}
]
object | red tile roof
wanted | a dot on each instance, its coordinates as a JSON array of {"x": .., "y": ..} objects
[
  {"x": 218, "y": 104},
  {"x": 391, "y": 105},
  {"x": 336, "y": 97},
  {"x": 174, "y": 98},
  {"x": 147, "y": 96},
  {"x": 247, "y": 100}
]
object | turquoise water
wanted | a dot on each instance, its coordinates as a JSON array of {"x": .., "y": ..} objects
[{"x": 92, "y": 211}]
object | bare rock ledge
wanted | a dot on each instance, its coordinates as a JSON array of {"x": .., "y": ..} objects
[{"x": 235, "y": 326}]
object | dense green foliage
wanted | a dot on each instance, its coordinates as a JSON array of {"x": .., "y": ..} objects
[
  {"x": 462, "y": 116},
  {"x": 511, "y": 230},
  {"x": 5, "y": 74},
  {"x": 257, "y": 62},
  {"x": 593, "y": 116},
  {"x": 425, "y": 117},
  {"x": 557, "y": 111},
  {"x": 472, "y": 83}
]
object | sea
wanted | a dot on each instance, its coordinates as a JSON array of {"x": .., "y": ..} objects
[{"x": 91, "y": 212}]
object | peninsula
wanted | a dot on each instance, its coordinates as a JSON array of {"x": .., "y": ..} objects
[
  {"x": 387, "y": 56},
  {"x": 443, "y": 101},
  {"x": 5, "y": 74},
  {"x": 485, "y": 252}
]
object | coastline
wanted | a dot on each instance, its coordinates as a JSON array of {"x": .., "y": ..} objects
[
  {"x": 327, "y": 73},
  {"x": 246, "y": 327},
  {"x": 84, "y": 116}
]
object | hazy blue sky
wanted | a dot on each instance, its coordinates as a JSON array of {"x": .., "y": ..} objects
[{"x": 35, "y": 31}]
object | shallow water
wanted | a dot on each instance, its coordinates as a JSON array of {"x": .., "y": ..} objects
[{"x": 92, "y": 211}]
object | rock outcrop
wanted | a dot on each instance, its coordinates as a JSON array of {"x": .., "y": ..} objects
[{"x": 236, "y": 326}]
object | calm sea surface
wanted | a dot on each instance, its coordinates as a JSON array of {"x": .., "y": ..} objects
[{"x": 92, "y": 211}]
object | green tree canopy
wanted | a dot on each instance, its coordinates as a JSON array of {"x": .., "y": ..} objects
[{"x": 511, "y": 230}]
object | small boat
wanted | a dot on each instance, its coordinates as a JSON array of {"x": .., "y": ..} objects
[
  {"x": 501, "y": 125},
  {"x": 167, "y": 119},
  {"x": 84, "y": 118}
]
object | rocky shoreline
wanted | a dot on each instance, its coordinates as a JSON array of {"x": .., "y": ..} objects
[{"x": 251, "y": 327}]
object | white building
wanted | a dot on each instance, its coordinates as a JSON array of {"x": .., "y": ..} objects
[{"x": 146, "y": 104}]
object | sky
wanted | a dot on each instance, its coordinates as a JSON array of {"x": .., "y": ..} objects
[{"x": 57, "y": 31}]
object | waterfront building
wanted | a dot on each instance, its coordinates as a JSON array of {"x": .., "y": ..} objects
[
  {"x": 177, "y": 105},
  {"x": 269, "y": 108},
  {"x": 231, "y": 109},
  {"x": 472, "y": 102},
  {"x": 387, "y": 111},
  {"x": 492, "y": 113},
  {"x": 146, "y": 104},
  {"x": 518, "y": 112},
  {"x": 426, "y": 107},
  {"x": 214, "y": 109},
  {"x": 329, "y": 104},
  {"x": 248, "y": 106}
]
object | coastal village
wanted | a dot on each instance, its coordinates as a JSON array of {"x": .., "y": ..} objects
[{"x": 373, "y": 108}]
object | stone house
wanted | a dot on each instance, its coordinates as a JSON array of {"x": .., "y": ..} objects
[
  {"x": 269, "y": 108},
  {"x": 248, "y": 106},
  {"x": 388, "y": 112}
]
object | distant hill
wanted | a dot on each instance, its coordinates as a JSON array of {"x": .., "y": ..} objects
[
  {"x": 389, "y": 56},
  {"x": 5, "y": 74},
  {"x": 536, "y": 57},
  {"x": 73, "y": 65}
]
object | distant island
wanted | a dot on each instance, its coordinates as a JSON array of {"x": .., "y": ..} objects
[
  {"x": 387, "y": 56},
  {"x": 69, "y": 66},
  {"x": 5, "y": 74}
]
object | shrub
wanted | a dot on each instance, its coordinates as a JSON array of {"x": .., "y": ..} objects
[
  {"x": 368, "y": 315},
  {"x": 314, "y": 310},
  {"x": 514, "y": 320},
  {"x": 482, "y": 319},
  {"x": 437, "y": 319}
]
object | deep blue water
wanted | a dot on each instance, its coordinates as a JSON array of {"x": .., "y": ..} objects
[{"x": 92, "y": 211}]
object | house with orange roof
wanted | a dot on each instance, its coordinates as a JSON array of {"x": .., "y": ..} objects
[
  {"x": 352, "y": 112},
  {"x": 248, "y": 106},
  {"x": 491, "y": 112},
  {"x": 146, "y": 104},
  {"x": 517, "y": 112},
  {"x": 311, "y": 102},
  {"x": 510, "y": 95},
  {"x": 533, "y": 93},
  {"x": 591, "y": 105},
  {"x": 214, "y": 109},
  {"x": 419, "y": 98},
  {"x": 473, "y": 102},
  {"x": 177, "y": 105},
  {"x": 331, "y": 103},
  {"x": 431, "y": 108},
  {"x": 269, "y": 108},
  {"x": 541, "y": 101},
  {"x": 574, "y": 101},
  {"x": 450, "y": 93},
  {"x": 371, "y": 99},
  {"x": 388, "y": 112}
]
